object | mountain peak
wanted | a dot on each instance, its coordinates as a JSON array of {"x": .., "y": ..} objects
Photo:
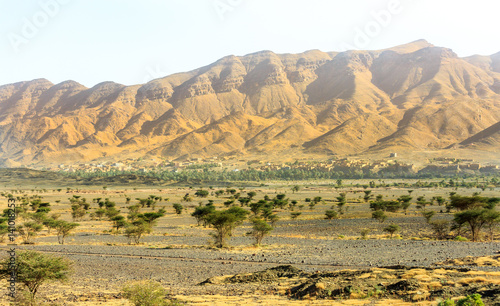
[{"x": 411, "y": 47}]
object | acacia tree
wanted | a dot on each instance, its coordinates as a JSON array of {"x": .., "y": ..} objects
[
  {"x": 224, "y": 221},
  {"x": 475, "y": 218},
  {"x": 28, "y": 230},
  {"x": 136, "y": 230},
  {"x": 178, "y": 208},
  {"x": 64, "y": 228},
  {"x": 391, "y": 229},
  {"x": 201, "y": 214},
  {"x": 35, "y": 268},
  {"x": 492, "y": 219},
  {"x": 379, "y": 216},
  {"x": 259, "y": 230}
]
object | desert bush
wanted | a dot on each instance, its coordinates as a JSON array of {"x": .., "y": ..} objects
[
  {"x": 379, "y": 204},
  {"x": 446, "y": 302},
  {"x": 111, "y": 212},
  {"x": 422, "y": 202},
  {"x": 471, "y": 300},
  {"x": 367, "y": 195},
  {"x": 364, "y": 233},
  {"x": 331, "y": 214},
  {"x": 147, "y": 293},
  {"x": 441, "y": 228},
  {"x": 178, "y": 208},
  {"x": 295, "y": 215}
]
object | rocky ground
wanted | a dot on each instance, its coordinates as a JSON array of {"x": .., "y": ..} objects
[
  {"x": 181, "y": 263},
  {"x": 179, "y": 256}
]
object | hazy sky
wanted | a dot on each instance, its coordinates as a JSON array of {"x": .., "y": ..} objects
[{"x": 134, "y": 41}]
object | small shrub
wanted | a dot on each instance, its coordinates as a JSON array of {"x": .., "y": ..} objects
[
  {"x": 471, "y": 300},
  {"x": 331, "y": 214},
  {"x": 364, "y": 233},
  {"x": 441, "y": 228},
  {"x": 146, "y": 293},
  {"x": 460, "y": 238},
  {"x": 294, "y": 215},
  {"x": 446, "y": 302},
  {"x": 178, "y": 208},
  {"x": 428, "y": 215}
]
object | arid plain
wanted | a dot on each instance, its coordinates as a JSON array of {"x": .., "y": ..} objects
[{"x": 303, "y": 253}]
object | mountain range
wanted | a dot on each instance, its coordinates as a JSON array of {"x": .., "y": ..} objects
[{"x": 413, "y": 97}]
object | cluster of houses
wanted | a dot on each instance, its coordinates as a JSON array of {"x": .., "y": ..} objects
[
  {"x": 448, "y": 165},
  {"x": 345, "y": 165}
]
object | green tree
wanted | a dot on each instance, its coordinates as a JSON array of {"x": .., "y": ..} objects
[
  {"x": 492, "y": 219},
  {"x": 64, "y": 228},
  {"x": 405, "y": 202},
  {"x": 178, "y": 208},
  {"x": 428, "y": 215},
  {"x": 256, "y": 207},
  {"x": 367, "y": 195},
  {"x": 331, "y": 214},
  {"x": 379, "y": 215},
  {"x": 422, "y": 202},
  {"x": 224, "y": 222},
  {"x": 462, "y": 203},
  {"x": 391, "y": 229},
  {"x": 475, "y": 218},
  {"x": 35, "y": 268},
  {"x": 260, "y": 229},
  {"x": 99, "y": 213},
  {"x": 201, "y": 214},
  {"x": 151, "y": 217},
  {"x": 28, "y": 230},
  {"x": 201, "y": 193},
  {"x": 119, "y": 222},
  {"x": 341, "y": 202},
  {"x": 136, "y": 230}
]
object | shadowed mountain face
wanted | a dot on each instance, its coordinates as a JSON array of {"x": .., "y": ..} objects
[{"x": 411, "y": 97}]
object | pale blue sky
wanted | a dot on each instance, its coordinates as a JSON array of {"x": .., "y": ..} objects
[{"x": 133, "y": 41}]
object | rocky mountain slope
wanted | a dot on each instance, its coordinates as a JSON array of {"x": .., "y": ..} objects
[{"x": 411, "y": 97}]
